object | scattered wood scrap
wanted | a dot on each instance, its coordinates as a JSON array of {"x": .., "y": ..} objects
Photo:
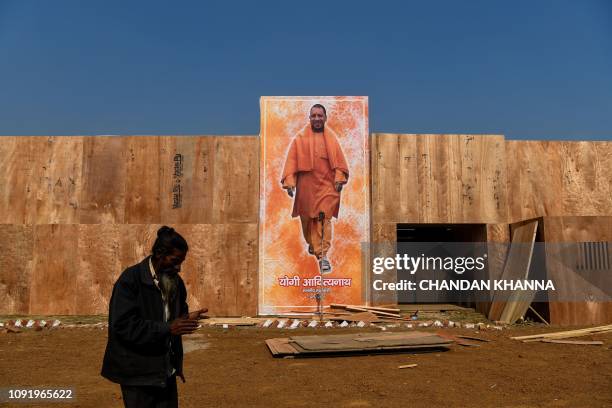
[
  {"x": 355, "y": 343},
  {"x": 437, "y": 307},
  {"x": 457, "y": 340},
  {"x": 383, "y": 312},
  {"x": 375, "y": 308},
  {"x": 407, "y": 366},
  {"x": 473, "y": 338},
  {"x": 232, "y": 321},
  {"x": 366, "y": 317},
  {"x": 578, "y": 342},
  {"x": 565, "y": 334}
]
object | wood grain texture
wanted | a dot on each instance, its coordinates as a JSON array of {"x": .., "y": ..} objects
[
  {"x": 535, "y": 180},
  {"x": 438, "y": 179},
  {"x": 55, "y": 269},
  {"x": 498, "y": 239},
  {"x": 387, "y": 177},
  {"x": 384, "y": 244},
  {"x": 221, "y": 268},
  {"x": 587, "y": 178},
  {"x": 578, "y": 297},
  {"x": 16, "y": 244},
  {"x": 104, "y": 180},
  {"x": 54, "y": 187},
  {"x": 99, "y": 266},
  {"x": 517, "y": 265},
  {"x": 547, "y": 178},
  {"x": 236, "y": 180},
  {"x": 142, "y": 195},
  {"x": 136, "y": 241},
  {"x": 187, "y": 174},
  {"x": 15, "y": 172}
]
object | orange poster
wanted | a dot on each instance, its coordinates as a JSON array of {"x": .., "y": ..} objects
[{"x": 314, "y": 202}]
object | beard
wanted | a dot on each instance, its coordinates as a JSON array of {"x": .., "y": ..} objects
[
  {"x": 317, "y": 129},
  {"x": 168, "y": 284}
]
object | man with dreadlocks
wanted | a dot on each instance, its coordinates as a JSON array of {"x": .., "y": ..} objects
[{"x": 147, "y": 316}]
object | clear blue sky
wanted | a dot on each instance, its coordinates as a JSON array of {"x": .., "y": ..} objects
[{"x": 527, "y": 69}]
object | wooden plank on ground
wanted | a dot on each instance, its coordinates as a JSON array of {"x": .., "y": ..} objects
[
  {"x": 566, "y": 333},
  {"x": 366, "y": 317},
  {"x": 367, "y": 341},
  {"x": 576, "y": 342}
]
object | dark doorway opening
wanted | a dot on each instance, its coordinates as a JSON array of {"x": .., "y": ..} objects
[{"x": 460, "y": 239}]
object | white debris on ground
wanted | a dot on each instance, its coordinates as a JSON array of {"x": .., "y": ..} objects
[{"x": 16, "y": 326}]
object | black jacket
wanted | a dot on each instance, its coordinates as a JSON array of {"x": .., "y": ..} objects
[{"x": 139, "y": 341}]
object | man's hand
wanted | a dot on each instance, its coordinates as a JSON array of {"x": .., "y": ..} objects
[
  {"x": 339, "y": 187},
  {"x": 198, "y": 314},
  {"x": 290, "y": 191},
  {"x": 183, "y": 325}
]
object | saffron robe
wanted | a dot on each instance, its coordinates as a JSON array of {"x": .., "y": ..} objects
[{"x": 314, "y": 163}]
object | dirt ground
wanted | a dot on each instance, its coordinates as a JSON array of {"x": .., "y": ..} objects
[{"x": 233, "y": 368}]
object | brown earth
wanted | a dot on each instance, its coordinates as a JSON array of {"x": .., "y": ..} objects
[{"x": 233, "y": 368}]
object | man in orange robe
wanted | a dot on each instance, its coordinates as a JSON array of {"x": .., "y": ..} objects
[{"x": 316, "y": 170}]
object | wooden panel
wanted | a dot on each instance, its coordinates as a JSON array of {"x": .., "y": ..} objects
[
  {"x": 535, "y": 179},
  {"x": 572, "y": 285},
  {"x": 578, "y": 229},
  {"x": 15, "y": 268},
  {"x": 587, "y": 178},
  {"x": 236, "y": 180},
  {"x": 136, "y": 242},
  {"x": 99, "y": 267},
  {"x": 142, "y": 204},
  {"x": 54, "y": 187},
  {"x": 386, "y": 178},
  {"x": 221, "y": 268},
  {"x": 384, "y": 244},
  {"x": 15, "y": 171},
  {"x": 494, "y": 191},
  {"x": 498, "y": 239},
  {"x": 104, "y": 183},
  {"x": 517, "y": 264},
  {"x": 409, "y": 199},
  {"x": 187, "y": 174},
  {"x": 439, "y": 179},
  {"x": 433, "y": 171},
  {"x": 55, "y": 270}
]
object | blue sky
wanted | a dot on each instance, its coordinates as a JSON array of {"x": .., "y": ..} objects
[{"x": 525, "y": 69}]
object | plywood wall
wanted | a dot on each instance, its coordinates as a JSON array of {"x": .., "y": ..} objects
[
  {"x": 98, "y": 200},
  {"x": 548, "y": 178},
  {"x": 578, "y": 298},
  {"x": 76, "y": 211},
  {"x": 438, "y": 179},
  {"x": 487, "y": 179}
]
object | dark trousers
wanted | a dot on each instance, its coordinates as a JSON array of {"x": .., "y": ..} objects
[{"x": 139, "y": 396}]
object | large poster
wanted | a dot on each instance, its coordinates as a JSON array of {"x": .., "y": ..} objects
[{"x": 314, "y": 202}]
